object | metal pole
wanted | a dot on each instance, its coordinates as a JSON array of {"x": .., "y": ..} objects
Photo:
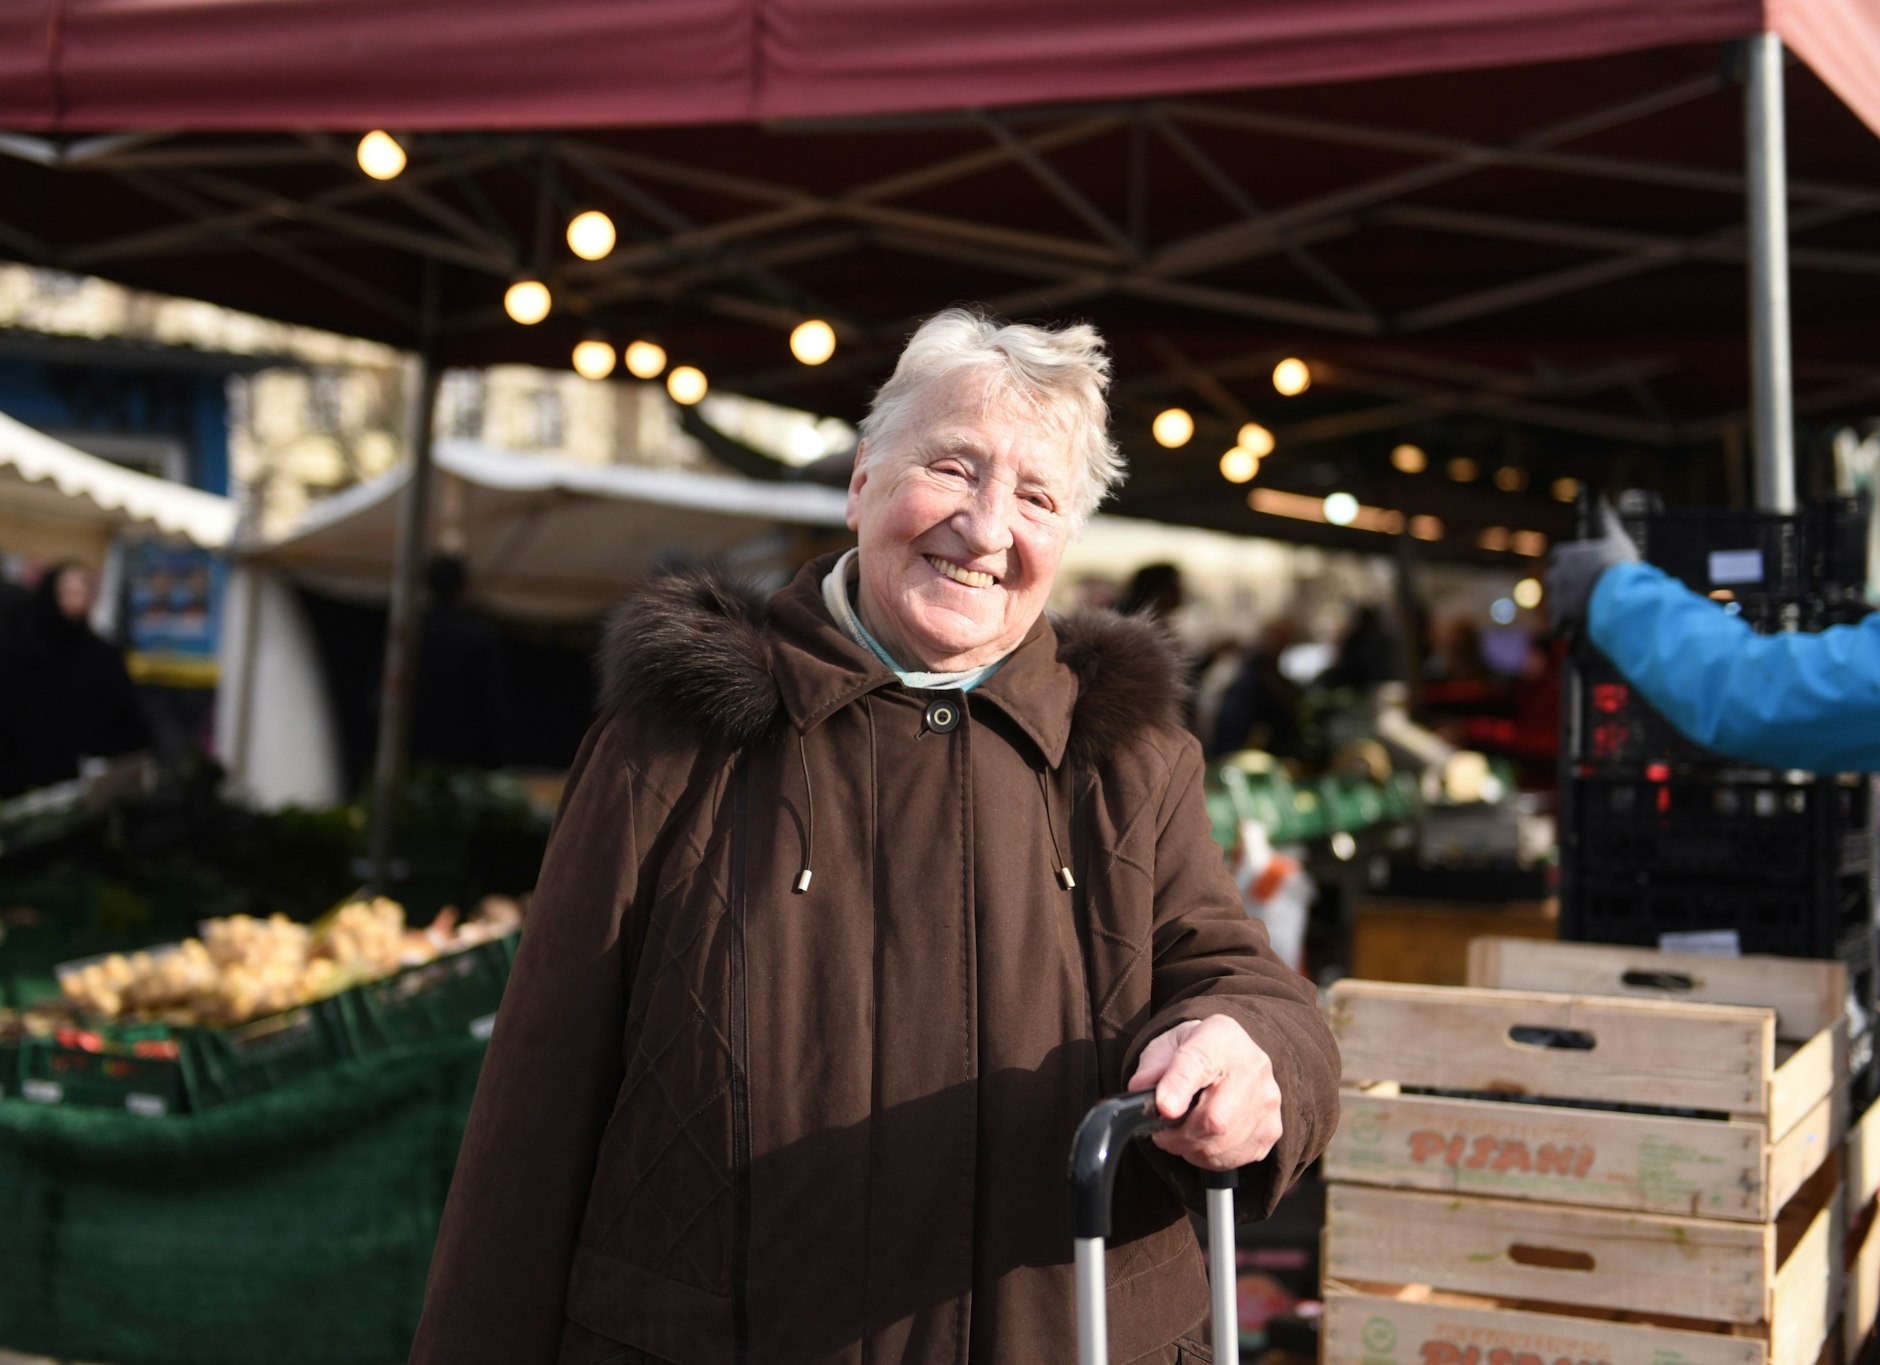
[
  {"x": 1093, "y": 1341},
  {"x": 1772, "y": 403},
  {"x": 401, "y": 661},
  {"x": 1223, "y": 1276}
]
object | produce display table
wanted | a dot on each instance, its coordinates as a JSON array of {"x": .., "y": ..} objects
[{"x": 293, "y": 1226}]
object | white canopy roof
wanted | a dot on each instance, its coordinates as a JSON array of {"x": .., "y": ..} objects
[
  {"x": 547, "y": 538},
  {"x": 57, "y": 502}
]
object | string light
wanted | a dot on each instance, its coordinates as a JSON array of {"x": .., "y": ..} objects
[
  {"x": 380, "y": 156},
  {"x": 527, "y": 301},
  {"x": 593, "y": 359},
  {"x": 1409, "y": 459},
  {"x": 645, "y": 360},
  {"x": 1292, "y": 376},
  {"x": 686, "y": 384},
  {"x": 1172, "y": 427},
  {"x": 1258, "y": 439},
  {"x": 813, "y": 342},
  {"x": 591, "y": 235},
  {"x": 1239, "y": 465}
]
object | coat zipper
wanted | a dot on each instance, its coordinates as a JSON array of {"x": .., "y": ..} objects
[{"x": 740, "y": 1079}]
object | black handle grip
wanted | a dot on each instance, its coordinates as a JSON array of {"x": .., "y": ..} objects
[{"x": 1101, "y": 1138}]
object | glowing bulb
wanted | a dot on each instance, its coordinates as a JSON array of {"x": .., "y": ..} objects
[
  {"x": 645, "y": 360},
  {"x": 1341, "y": 509},
  {"x": 380, "y": 156},
  {"x": 1566, "y": 490},
  {"x": 1462, "y": 469},
  {"x": 527, "y": 301},
  {"x": 1173, "y": 427},
  {"x": 1426, "y": 528},
  {"x": 1494, "y": 538},
  {"x": 1530, "y": 543},
  {"x": 1409, "y": 459},
  {"x": 686, "y": 385},
  {"x": 1501, "y": 611},
  {"x": 1527, "y": 593},
  {"x": 813, "y": 342},
  {"x": 1239, "y": 465},
  {"x": 1510, "y": 478},
  {"x": 593, "y": 359},
  {"x": 591, "y": 235},
  {"x": 1258, "y": 439},
  {"x": 1292, "y": 376}
]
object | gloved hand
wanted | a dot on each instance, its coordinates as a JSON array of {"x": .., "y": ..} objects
[{"x": 1575, "y": 566}]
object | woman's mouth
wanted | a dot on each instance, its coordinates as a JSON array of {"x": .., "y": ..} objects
[{"x": 970, "y": 578}]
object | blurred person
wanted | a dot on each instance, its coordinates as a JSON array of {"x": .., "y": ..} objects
[
  {"x": 860, "y": 895},
  {"x": 1789, "y": 700},
  {"x": 460, "y": 709},
  {"x": 1261, "y": 706},
  {"x": 1368, "y": 654},
  {"x": 1155, "y": 591},
  {"x": 64, "y": 692}
]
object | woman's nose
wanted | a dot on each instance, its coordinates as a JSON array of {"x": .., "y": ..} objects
[{"x": 984, "y": 522}]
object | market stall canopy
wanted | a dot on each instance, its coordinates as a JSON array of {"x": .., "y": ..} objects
[
  {"x": 58, "y": 502},
  {"x": 72, "y": 65},
  {"x": 1529, "y": 273},
  {"x": 547, "y": 539}
]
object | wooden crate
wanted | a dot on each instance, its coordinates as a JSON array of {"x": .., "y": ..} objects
[
  {"x": 1426, "y": 942},
  {"x": 1861, "y": 1176},
  {"x": 1737, "y": 1120},
  {"x": 1507, "y": 1282}
]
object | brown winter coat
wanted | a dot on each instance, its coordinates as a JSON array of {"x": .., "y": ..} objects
[{"x": 721, "y": 1122}]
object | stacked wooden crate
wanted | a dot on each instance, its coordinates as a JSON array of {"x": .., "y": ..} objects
[
  {"x": 1861, "y": 1181},
  {"x": 1589, "y": 1154}
]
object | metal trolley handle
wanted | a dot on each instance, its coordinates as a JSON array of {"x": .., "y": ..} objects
[{"x": 1101, "y": 1139}]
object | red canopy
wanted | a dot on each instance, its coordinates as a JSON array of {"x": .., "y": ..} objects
[{"x": 268, "y": 64}]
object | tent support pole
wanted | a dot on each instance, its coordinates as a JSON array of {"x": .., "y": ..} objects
[
  {"x": 1771, "y": 383},
  {"x": 401, "y": 628}
]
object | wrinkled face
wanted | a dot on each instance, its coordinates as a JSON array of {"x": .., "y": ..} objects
[
  {"x": 76, "y": 591},
  {"x": 961, "y": 526}
]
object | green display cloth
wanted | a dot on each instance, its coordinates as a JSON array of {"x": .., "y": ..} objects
[{"x": 292, "y": 1227}]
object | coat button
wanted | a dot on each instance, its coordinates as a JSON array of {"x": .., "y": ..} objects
[{"x": 943, "y": 716}]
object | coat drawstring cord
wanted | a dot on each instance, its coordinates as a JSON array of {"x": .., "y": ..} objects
[
  {"x": 1064, "y": 878},
  {"x": 809, "y": 803}
]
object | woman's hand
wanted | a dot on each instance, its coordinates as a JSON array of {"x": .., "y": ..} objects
[{"x": 1237, "y": 1121}]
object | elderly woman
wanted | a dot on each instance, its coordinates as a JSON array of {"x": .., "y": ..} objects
[{"x": 860, "y": 896}]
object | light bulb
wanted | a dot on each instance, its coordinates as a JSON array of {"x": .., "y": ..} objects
[
  {"x": 591, "y": 235},
  {"x": 1566, "y": 490},
  {"x": 645, "y": 360},
  {"x": 380, "y": 156},
  {"x": 593, "y": 359},
  {"x": 1239, "y": 465},
  {"x": 1462, "y": 469},
  {"x": 1409, "y": 459},
  {"x": 1527, "y": 593},
  {"x": 527, "y": 301},
  {"x": 1258, "y": 439},
  {"x": 813, "y": 342},
  {"x": 1511, "y": 478},
  {"x": 1426, "y": 527},
  {"x": 686, "y": 385},
  {"x": 1172, "y": 427},
  {"x": 1291, "y": 376},
  {"x": 1341, "y": 509}
]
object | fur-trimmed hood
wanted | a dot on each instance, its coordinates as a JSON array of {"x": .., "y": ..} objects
[{"x": 704, "y": 651}]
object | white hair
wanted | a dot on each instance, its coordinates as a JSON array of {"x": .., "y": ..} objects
[{"x": 1062, "y": 372}]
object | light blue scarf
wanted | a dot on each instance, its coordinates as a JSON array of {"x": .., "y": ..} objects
[{"x": 835, "y": 591}]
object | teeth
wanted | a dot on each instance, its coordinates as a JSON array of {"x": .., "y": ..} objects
[{"x": 969, "y": 577}]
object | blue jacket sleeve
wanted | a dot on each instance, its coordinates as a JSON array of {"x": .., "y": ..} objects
[{"x": 1784, "y": 701}]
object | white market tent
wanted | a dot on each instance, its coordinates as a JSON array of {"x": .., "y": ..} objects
[
  {"x": 547, "y": 539},
  {"x": 57, "y": 502}
]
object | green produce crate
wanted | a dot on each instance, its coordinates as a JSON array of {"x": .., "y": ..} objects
[
  {"x": 138, "y": 1068},
  {"x": 223, "y": 1064},
  {"x": 450, "y": 994}
]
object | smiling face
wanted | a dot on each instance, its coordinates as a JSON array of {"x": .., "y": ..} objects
[{"x": 961, "y": 526}]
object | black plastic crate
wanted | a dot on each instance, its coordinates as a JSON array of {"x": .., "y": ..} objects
[
  {"x": 1818, "y": 552},
  {"x": 1786, "y": 921},
  {"x": 1755, "y": 828},
  {"x": 454, "y": 993}
]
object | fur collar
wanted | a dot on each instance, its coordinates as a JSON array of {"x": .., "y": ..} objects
[{"x": 697, "y": 647}]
